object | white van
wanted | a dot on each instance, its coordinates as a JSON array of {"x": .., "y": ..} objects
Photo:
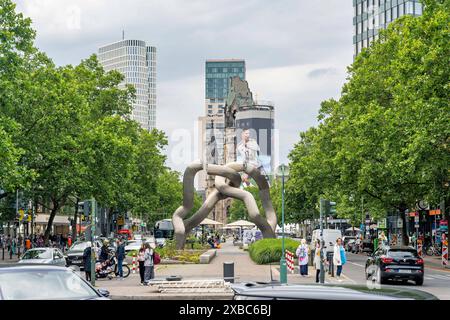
[{"x": 329, "y": 236}]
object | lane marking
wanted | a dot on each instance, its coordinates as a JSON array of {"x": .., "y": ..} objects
[
  {"x": 357, "y": 264},
  {"x": 440, "y": 277}
]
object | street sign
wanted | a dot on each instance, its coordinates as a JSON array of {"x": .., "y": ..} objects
[
  {"x": 382, "y": 224},
  {"x": 416, "y": 226},
  {"x": 416, "y": 219},
  {"x": 367, "y": 221},
  {"x": 399, "y": 223},
  {"x": 435, "y": 212}
]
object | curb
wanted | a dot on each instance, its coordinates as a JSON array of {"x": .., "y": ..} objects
[{"x": 187, "y": 296}]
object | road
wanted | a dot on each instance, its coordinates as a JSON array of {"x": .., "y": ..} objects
[{"x": 436, "y": 281}]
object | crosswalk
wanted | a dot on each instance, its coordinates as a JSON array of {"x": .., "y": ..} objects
[{"x": 437, "y": 277}]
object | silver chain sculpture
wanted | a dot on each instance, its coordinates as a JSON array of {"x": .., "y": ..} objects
[{"x": 227, "y": 184}]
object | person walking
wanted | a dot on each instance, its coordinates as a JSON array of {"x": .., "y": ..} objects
[
  {"x": 339, "y": 258},
  {"x": 302, "y": 254},
  {"x": 87, "y": 263},
  {"x": 316, "y": 260},
  {"x": 141, "y": 261},
  {"x": 120, "y": 254},
  {"x": 148, "y": 264}
]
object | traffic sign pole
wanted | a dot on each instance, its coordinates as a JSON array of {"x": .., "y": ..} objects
[{"x": 93, "y": 251}]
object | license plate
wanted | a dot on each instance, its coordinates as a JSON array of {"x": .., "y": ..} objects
[
  {"x": 404, "y": 271},
  {"x": 76, "y": 261}
]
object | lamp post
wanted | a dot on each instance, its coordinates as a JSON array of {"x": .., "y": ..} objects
[{"x": 282, "y": 171}]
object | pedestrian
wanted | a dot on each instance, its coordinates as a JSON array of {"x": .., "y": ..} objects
[
  {"x": 302, "y": 254},
  {"x": 27, "y": 244},
  {"x": 317, "y": 260},
  {"x": 148, "y": 264},
  {"x": 120, "y": 254},
  {"x": 339, "y": 257},
  {"x": 87, "y": 263},
  {"x": 141, "y": 260}
]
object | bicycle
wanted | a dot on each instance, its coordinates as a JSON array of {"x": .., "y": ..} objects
[{"x": 433, "y": 250}]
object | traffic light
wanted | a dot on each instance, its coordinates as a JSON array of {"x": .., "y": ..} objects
[
  {"x": 86, "y": 208},
  {"x": 330, "y": 207}
]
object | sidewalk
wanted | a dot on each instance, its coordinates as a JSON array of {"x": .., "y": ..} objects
[{"x": 435, "y": 262}]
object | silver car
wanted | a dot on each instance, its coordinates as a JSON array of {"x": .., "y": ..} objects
[{"x": 51, "y": 256}]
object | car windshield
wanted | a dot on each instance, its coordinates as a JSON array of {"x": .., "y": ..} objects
[
  {"x": 79, "y": 246},
  {"x": 52, "y": 284},
  {"x": 401, "y": 254},
  {"x": 37, "y": 254}
]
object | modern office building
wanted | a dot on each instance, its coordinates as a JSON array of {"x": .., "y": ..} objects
[
  {"x": 137, "y": 62},
  {"x": 372, "y": 15}
]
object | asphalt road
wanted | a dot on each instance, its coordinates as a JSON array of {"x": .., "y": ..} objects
[{"x": 436, "y": 282}]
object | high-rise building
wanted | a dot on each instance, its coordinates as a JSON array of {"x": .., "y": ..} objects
[
  {"x": 218, "y": 74},
  {"x": 372, "y": 15},
  {"x": 137, "y": 62}
]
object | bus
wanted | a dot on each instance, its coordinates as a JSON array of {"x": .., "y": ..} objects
[{"x": 163, "y": 230}]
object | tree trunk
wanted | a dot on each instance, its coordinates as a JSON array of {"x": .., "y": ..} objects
[{"x": 56, "y": 206}]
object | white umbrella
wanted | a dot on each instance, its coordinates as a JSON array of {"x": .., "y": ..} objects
[
  {"x": 241, "y": 223},
  {"x": 209, "y": 222},
  {"x": 351, "y": 229}
]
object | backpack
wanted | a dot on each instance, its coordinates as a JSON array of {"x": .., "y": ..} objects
[{"x": 156, "y": 258}]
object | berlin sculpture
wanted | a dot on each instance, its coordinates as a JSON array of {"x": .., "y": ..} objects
[
  {"x": 227, "y": 184},
  {"x": 227, "y": 178}
]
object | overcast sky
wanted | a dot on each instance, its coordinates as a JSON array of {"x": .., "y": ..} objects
[{"x": 296, "y": 51}]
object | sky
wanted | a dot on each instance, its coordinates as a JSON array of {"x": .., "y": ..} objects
[{"x": 296, "y": 52}]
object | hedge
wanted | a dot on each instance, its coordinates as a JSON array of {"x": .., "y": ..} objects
[{"x": 269, "y": 250}]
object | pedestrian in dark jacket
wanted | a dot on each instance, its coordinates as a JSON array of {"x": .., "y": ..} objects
[
  {"x": 87, "y": 262},
  {"x": 120, "y": 254}
]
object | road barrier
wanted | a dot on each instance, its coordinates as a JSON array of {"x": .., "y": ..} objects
[
  {"x": 290, "y": 261},
  {"x": 134, "y": 262},
  {"x": 444, "y": 250}
]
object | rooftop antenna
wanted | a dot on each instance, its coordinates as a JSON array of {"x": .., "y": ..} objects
[{"x": 123, "y": 34}]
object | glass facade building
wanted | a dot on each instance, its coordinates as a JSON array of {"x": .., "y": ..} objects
[
  {"x": 137, "y": 62},
  {"x": 369, "y": 16},
  {"x": 218, "y": 75}
]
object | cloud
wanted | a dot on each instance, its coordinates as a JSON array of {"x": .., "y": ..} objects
[{"x": 296, "y": 51}]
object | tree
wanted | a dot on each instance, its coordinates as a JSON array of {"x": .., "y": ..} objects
[{"x": 386, "y": 139}]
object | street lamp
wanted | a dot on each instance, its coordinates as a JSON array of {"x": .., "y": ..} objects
[{"x": 282, "y": 171}]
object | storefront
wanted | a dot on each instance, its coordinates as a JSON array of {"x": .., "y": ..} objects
[{"x": 61, "y": 224}]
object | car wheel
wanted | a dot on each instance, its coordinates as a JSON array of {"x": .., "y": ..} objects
[
  {"x": 419, "y": 282},
  {"x": 379, "y": 278}
]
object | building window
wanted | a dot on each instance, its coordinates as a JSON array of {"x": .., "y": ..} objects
[
  {"x": 394, "y": 13},
  {"x": 409, "y": 7},
  {"x": 210, "y": 106},
  {"x": 418, "y": 8}
]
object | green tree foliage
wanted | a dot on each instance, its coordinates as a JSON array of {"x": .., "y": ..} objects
[
  {"x": 386, "y": 139},
  {"x": 66, "y": 133}
]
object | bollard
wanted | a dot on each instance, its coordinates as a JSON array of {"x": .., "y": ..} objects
[
  {"x": 3, "y": 253},
  {"x": 228, "y": 271},
  {"x": 18, "y": 252},
  {"x": 10, "y": 254},
  {"x": 134, "y": 262}
]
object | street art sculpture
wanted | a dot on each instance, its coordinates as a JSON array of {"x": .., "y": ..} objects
[{"x": 226, "y": 184}]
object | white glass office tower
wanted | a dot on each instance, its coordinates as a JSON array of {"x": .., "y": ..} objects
[
  {"x": 372, "y": 15},
  {"x": 137, "y": 62}
]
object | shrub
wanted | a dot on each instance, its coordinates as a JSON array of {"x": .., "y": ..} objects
[{"x": 269, "y": 250}]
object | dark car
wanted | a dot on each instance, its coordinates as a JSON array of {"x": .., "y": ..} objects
[
  {"x": 395, "y": 263},
  {"x": 45, "y": 282},
  {"x": 276, "y": 291},
  {"x": 74, "y": 256}
]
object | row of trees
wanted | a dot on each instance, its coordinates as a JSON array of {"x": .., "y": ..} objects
[
  {"x": 385, "y": 142},
  {"x": 66, "y": 133}
]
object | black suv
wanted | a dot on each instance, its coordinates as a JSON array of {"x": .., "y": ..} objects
[{"x": 395, "y": 263}]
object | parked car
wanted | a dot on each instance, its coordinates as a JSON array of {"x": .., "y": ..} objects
[
  {"x": 133, "y": 245},
  {"x": 276, "y": 291},
  {"x": 45, "y": 282},
  {"x": 52, "y": 256},
  {"x": 395, "y": 263},
  {"x": 74, "y": 255}
]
